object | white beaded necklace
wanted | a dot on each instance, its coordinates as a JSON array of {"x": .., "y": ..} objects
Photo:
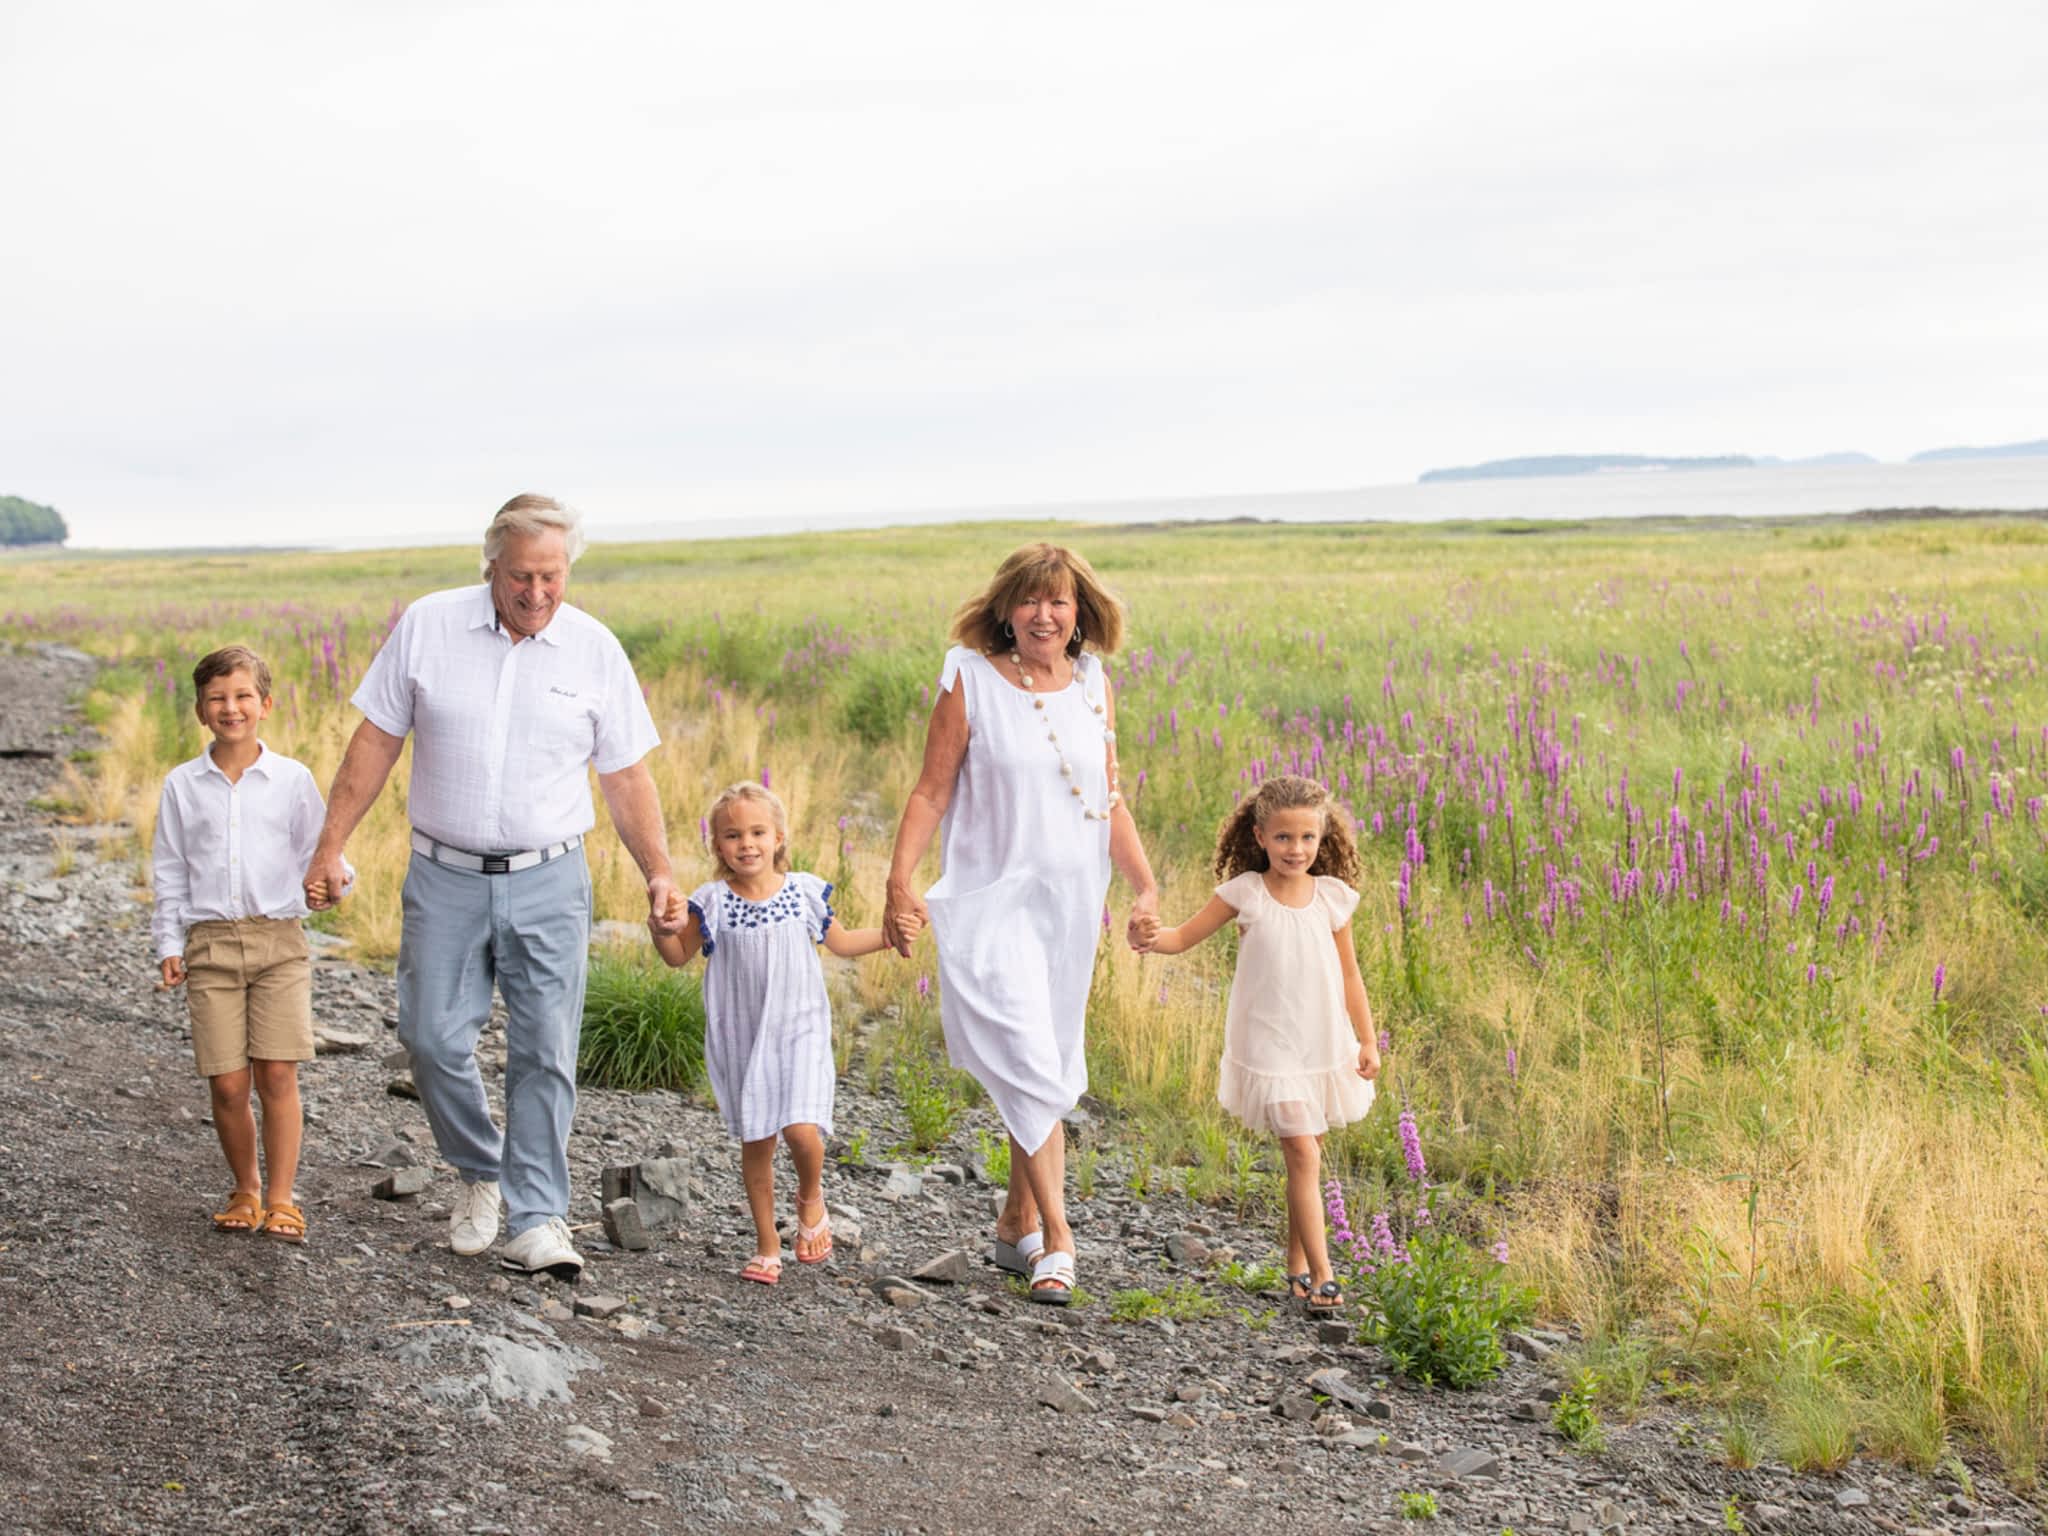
[{"x": 1067, "y": 768}]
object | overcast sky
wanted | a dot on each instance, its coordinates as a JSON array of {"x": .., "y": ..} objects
[{"x": 269, "y": 271}]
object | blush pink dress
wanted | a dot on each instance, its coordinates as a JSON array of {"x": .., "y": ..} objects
[{"x": 1290, "y": 1060}]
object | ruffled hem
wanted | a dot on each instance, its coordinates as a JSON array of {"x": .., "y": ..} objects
[
  {"x": 703, "y": 927},
  {"x": 1293, "y": 1103}
]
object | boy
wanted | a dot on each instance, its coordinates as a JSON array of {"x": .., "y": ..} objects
[{"x": 235, "y": 826}]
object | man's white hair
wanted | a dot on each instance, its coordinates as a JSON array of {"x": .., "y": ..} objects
[{"x": 527, "y": 515}]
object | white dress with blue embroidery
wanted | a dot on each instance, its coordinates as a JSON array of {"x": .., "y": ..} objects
[{"x": 767, "y": 1018}]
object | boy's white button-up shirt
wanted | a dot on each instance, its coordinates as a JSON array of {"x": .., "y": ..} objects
[
  {"x": 504, "y": 733},
  {"x": 231, "y": 850}
]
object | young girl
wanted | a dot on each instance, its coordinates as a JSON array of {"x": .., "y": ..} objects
[
  {"x": 767, "y": 1019},
  {"x": 1299, "y": 1048}
]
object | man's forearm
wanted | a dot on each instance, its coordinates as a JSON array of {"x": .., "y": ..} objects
[
  {"x": 635, "y": 807},
  {"x": 357, "y": 782}
]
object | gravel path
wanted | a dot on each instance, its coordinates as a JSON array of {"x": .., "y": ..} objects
[{"x": 159, "y": 1376}]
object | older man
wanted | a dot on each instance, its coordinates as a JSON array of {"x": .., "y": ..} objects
[{"x": 511, "y": 696}]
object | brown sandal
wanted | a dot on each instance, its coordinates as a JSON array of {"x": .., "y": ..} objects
[
  {"x": 242, "y": 1213},
  {"x": 285, "y": 1222}
]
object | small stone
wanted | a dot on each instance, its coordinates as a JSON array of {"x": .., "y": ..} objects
[
  {"x": 403, "y": 1087},
  {"x": 623, "y": 1228},
  {"x": 1330, "y": 1331},
  {"x": 903, "y": 1183},
  {"x": 659, "y": 1188},
  {"x": 396, "y": 1154},
  {"x": 1960, "y": 1504},
  {"x": 630, "y": 1325},
  {"x": 455, "y": 1303},
  {"x": 1295, "y": 1407},
  {"x": 399, "y": 1060},
  {"x": 1151, "y": 1413},
  {"x": 897, "y": 1340},
  {"x": 1528, "y": 1408},
  {"x": 1851, "y": 1498},
  {"x": 600, "y": 1307},
  {"x": 1770, "y": 1514},
  {"x": 947, "y": 1173},
  {"x": 1528, "y": 1346},
  {"x": 1181, "y": 1421},
  {"x": 899, "y": 1292},
  {"x": 1358, "y": 1440},
  {"x": 1186, "y": 1248},
  {"x": 949, "y": 1268},
  {"x": 1468, "y": 1463},
  {"x": 1408, "y": 1450},
  {"x": 1064, "y": 1397},
  {"x": 402, "y": 1184},
  {"x": 645, "y": 1496},
  {"x": 653, "y": 1408},
  {"x": 1335, "y": 1383},
  {"x": 556, "y": 1312},
  {"x": 328, "y": 1040},
  {"x": 582, "y": 1440},
  {"x": 1189, "y": 1394}
]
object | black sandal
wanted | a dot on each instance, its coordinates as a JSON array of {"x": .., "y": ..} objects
[
  {"x": 1327, "y": 1298},
  {"x": 1298, "y": 1286}
]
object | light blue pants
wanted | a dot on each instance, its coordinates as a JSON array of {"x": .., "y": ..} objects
[{"x": 530, "y": 934}]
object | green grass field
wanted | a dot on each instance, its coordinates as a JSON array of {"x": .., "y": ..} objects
[{"x": 1705, "y": 881}]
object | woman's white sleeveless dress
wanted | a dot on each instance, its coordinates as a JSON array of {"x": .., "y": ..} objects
[{"x": 1018, "y": 908}]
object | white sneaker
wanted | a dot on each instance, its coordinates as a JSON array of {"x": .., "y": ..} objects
[
  {"x": 545, "y": 1247},
  {"x": 473, "y": 1225}
]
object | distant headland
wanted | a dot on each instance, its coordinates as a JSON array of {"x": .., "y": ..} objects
[{"x": 1544, "y": 466}]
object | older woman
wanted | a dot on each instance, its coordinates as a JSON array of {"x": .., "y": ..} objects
[{"x": 1020, "y": 776}]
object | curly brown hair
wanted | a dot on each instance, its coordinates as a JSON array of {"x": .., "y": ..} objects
[
  {"x": 1041, "y": 570},
  {"x": 1238, "y": 850}
]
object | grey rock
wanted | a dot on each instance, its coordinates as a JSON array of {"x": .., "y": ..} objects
[
  {"x": 895, "y": 1339},
  {"x": 1335, "y": 1383},
  {"x": 396, "y": 1154},
  {"x": 1064, "y": 1397},
  {"x": 903, "y": 1183},
  {"x": 582, "y": 1440},
  {"x": 949, "y": 1268},
  {"x": 1528, "y": 1346},
  {"x": 947, "y": 1173},
  {"x": 1330, "y": 1331},
  {"x": 645, "y": 1496},
  {"x": 331, "y": 1040},
  {"x": 623, "y": 1227},
  {"x": 1295, "y": 1407},
  {"x": 402, "y": 1184},
  {"x": 1186, "y": 1248},
  {"x": 658, "y": 1186},
  {"x": 1151, "y": 1413},
  {"x": 653, "y": 1408},
  {"x": 1959, "y": 1504},
  {"x": 1358, "y": 1440},
  {"x": 403, "y": 1087},
  {"x": 399, "y": 1060},
  {"x": 1531, "y": 1410},
  {"x": 1851, "y": 1498},
  {"x": 1468, "y": 1462},
  {"x": 1189, "y": 1393},
  {"x": 898, "y": 1292},
  {"x": 1770, "y": 1514},
  {"x": 600, "y": 1307},
  {"x": 1408, "y": 1450}
]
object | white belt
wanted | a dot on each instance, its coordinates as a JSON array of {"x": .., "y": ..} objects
[{"x": 492, "y": 863}]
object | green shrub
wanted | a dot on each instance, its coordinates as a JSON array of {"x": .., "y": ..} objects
[
  {"x": 1184, "y": 1303},
  {"x": 884, "y": 693},
  {"x": 1576, "y": 1418},
  {"x": 1438, "y": 1317},
  {"x": 929, "y": 1102},
  {"x": 642, "y": 1027}
]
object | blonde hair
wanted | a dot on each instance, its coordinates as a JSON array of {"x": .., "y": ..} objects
[
  {"x": 1040, "y": 570},
  {"x": 1238, "y": 850},
  {"x": 747, "y": 789},
  {"x": 526, "y": 515}
]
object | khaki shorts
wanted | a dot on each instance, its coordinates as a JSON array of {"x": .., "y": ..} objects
[{"x": 250, "y": 987}]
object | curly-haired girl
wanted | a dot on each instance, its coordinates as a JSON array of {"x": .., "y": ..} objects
[{"x": 1299, "y": 1047}]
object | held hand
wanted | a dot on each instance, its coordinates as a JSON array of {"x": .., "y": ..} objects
[
  {"x": 667, "y": 911},
  {"x": 1368, "y": 1059},
  {"x": 328, "y": 873},
  {"x": 1142, "y": 931},
  {"x": 172, "y": 971},
  {"x": 904, "y": 916}
]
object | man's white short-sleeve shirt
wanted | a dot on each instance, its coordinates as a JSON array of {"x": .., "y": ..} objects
[{"x": 504, "y": 734}]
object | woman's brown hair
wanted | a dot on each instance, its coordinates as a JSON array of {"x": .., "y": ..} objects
[
  {"x": 1237, "y": 850},
  {"x": 1041, "y": 570}
]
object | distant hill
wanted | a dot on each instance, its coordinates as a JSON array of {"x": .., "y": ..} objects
[
  {"x": 1582, "y": 464},
  {"x": 1817, "y": 461},
  {"x": 2000, "y": 451},
  {"x": 28, "y": 522}
]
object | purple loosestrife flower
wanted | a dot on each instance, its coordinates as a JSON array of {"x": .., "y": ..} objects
[
  {"x": 924, "y": 987},
  {"x": 1500, "y": 1251},
  {"x": 1514, "y": 1066},
  {"x": 1411, "y": 1147},
  {"x": 1940, "y": 977}
]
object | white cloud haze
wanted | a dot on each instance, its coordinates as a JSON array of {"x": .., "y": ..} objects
[{"x": 282, "y": 273}]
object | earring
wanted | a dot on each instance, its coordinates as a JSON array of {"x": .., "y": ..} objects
[
  {"x": 1009, "y": 630},
  {"x": 1079, "y": 638}
]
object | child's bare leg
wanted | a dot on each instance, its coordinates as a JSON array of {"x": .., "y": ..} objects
[
  {"x": 807, "y": 1152},
  {"x": 1307, "y": 1248},
  {"x": 757, "y": 1172},
  {"x": 235, "y": 1125},
  {"x": 277, "y": 1085}
]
